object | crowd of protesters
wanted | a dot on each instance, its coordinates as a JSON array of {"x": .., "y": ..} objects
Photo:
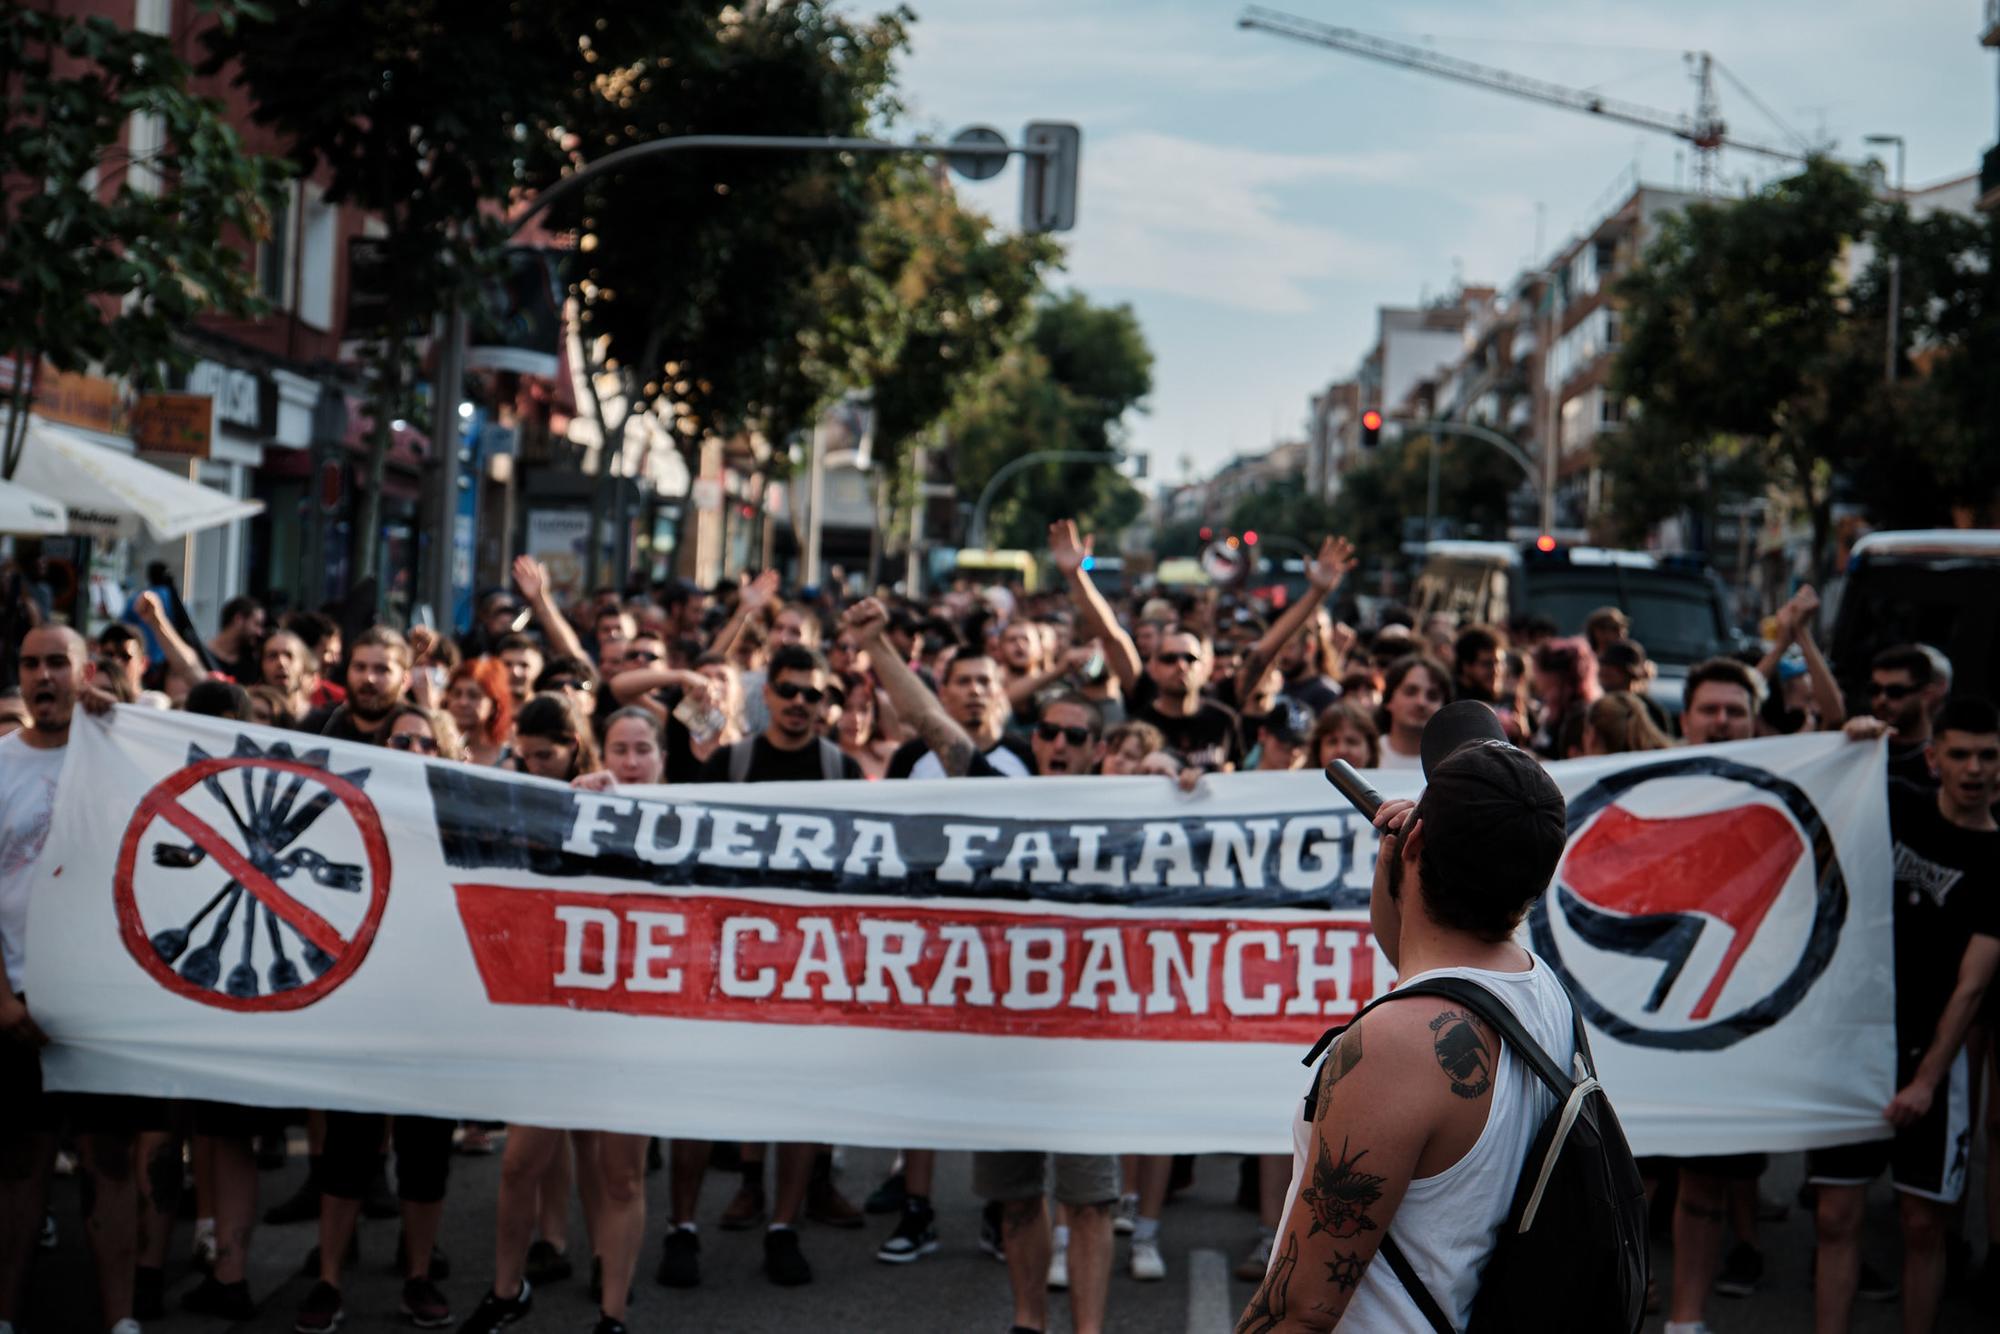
[{"x": 742, "y": 683}]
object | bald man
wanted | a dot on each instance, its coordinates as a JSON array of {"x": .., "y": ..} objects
[{"x": 56, "y": 675}]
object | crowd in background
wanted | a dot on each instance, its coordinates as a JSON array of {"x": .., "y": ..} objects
[{"x": 746, "y": 682}]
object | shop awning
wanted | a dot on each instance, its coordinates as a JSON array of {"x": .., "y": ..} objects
[
  {"x": 29, "y": 513},
  {"x": 109, "y": 494}
]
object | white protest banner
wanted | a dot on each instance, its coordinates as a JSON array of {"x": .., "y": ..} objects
[{"x": 1085, "y": 964}]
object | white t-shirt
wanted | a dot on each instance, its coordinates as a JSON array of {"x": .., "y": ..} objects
[
  {"x": 1448, "y": 1224},
  {"x": 1395, "y": 759},
  {"x": 27, "y": 805},
  {"x": 1000, "y": 757}
]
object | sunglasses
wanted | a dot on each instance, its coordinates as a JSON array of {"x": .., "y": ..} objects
[
  {"x": 572, "y": 683},
  {"x": 1076, "y": 736},
  {"x": 643, "y": 655},
  {"x": 793, "y": 690},
  {"x": 411, "y": 741},
  {"x": 1880, "y": 691},
  {"x": 1177, "y": 659}
]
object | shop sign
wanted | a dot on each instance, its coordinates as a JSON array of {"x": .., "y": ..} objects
[
  {"x": 243, "y": 399},
  {"x": 89, "y": 401},
  {"x": 177, "y": 424}
]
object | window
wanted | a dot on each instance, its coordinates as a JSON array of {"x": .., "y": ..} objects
[
  {"x": 1611, "y": 410},
  {"x": 1607, "y": 258},
  {"x": 319, "y": 251},
  {"x": 274, "y": 255}
]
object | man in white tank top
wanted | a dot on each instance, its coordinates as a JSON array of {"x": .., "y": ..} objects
[{"x": 1422, "y": 1117}]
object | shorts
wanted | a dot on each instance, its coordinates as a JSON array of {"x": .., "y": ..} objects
[
  {"x": 29, "y": 1109},
  {"x": 23, "y": 1109},
  {"x": 1080, "y": 1178},
  {"x": 1927, "y": 1159},
  {"x": 351, "y": 1155},
  {"x": 1727, "y": 1166},
  {"x": 227, "y": 1120}
]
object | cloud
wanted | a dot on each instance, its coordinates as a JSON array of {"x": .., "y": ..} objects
[{"x": 1210, "y": 221}]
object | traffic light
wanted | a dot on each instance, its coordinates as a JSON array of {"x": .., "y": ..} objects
[
  {"x": 1206, "y": 532},
  {"x": 1048, "y": 180},
  {"x": 1371, "y": 429},
  {"x": 1250, "y": 537}
]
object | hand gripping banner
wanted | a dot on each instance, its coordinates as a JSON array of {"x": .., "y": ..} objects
[{"x": 1085, "y": 964}]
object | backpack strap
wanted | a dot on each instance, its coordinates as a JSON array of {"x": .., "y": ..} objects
[
  {"x": 1413, "y": 1285},
  {"x": 1501, "y": 1019},
  {"x": 830, "y": 768},
  {"x": 740, "y": 756}
]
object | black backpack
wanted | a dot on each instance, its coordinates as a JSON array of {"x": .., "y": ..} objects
[{"x": 1571, "y": 1254}]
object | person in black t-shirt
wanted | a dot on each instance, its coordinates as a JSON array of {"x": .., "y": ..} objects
[
  {"x": 1206, "y": 734},
  {"x": 971, "y": 693},
  {"x": 378, "y": 672},
  {"x": 1947, "y": 915},
  {"x": 1898, "y": 689},
  {"x": 1295, "y": 643}
]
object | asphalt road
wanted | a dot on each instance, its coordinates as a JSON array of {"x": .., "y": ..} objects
[{"x": 957, "y": 1289}]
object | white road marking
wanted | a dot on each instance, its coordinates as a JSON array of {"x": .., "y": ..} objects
[{"x": 1208, "y": 1293}]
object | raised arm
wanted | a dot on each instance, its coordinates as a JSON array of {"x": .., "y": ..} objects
[
  {"x": 752, "y": 598},
  {"x": 1068, "y": 552},
  {"x": 1026, "y": 688},
  {"x": 1336, "y": 558},
  {"x": 182, "y": 660},
  {"x": 1827, "y": 701},
  {"x": 866, "y": 620},
  {"x": 532, "y": 578}
]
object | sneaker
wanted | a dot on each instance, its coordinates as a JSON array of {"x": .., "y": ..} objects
[
  {"x": 889, "y": 1197},
  {"x": 1059, "y": 1269},
  {"x": 475, "y": 1140},
  {"x": 746, "y": 1210},
  {"x": 1252, "y": 1267},
  {"x": 1148, "y": 1265},
  {"x": 201, "y": 1253},
  {"x": 1126, "y": 1216},
  {"x": 320, "y": 1312},
  {"x": 607, "y": 1325},
  {"x": 149, "y": 1293},
  {"x": 423, "y": 1305},
  {"x": 302, "y": 1206},
  {"x": 1741, "y": 1271},
  {"x": 915, "y": 1237},
  {"x": 784, "y": 1263},
  {"x": 992, "y": 1239},
  {"x": 546, "y": 1264},
  {"x": 495, "y": 1311},
  {"x": 825, "y": 1204},
  {"x": 1875, "y": 1286},
  {"x": 680, "y": 1260},
  {"x": 225, "y": 1301},
  {"x": 126, "y": 1326}
]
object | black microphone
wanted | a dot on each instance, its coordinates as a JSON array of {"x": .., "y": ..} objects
[{"x": 1347, "y": 781}]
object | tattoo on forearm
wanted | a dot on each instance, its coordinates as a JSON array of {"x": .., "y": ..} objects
[
  {"x": 1344, "y": 1269},
  {"x": 1463, "y": 1052},
  {"x": 1268, "y": 1309},
  {"x": 1340, "y": 1194},
  {"x": 1346, "y": 1054},
  {"x": 956, "y": 757}
]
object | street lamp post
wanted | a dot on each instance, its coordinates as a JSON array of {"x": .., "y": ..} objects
[
  {"x": 1892, "y": 356},
  {"x": 977, "y": 536}
]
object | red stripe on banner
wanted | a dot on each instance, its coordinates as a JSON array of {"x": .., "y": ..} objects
[{"x": 942, "y": 970}]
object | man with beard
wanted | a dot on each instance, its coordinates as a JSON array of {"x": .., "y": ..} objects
[
  {"x": 56, "y": 676},
  {"x": 1068, "y": 739},
  {"x": 1205, "y": 733},
  {"x": 971, "y": 695},
  {"x": 378, "y": 672},
  {"x": 789, "y": 749},
  {"x": 291, "y": 669},
  {"x": 1899, "y": 681}
]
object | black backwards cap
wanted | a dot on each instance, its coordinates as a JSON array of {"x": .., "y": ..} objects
[{"x": 1493, "y": 818}]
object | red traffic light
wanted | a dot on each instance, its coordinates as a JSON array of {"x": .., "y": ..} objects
[
  {"x": 1250, "y": 537},
  {"x": 1545, "y": 543},
  {"x": 1371, "y": 420}
]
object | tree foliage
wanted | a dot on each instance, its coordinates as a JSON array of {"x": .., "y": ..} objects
[
  {"x": 1069, "y": 386},
  {"x": 1379, "y": 496},
  {"x": 114, "y": 253}
]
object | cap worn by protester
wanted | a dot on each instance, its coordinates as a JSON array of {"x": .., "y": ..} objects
[
  {"x": 1288, "y": 723},
  {"x": 1490, "y": 810}
]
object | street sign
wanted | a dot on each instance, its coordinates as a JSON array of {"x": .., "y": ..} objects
[
  {"x": 978, "y": 166},
  {"x": 1048, "y": 185}
]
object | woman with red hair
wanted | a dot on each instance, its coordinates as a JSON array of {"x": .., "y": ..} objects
[{"x": 477, "y": 698}]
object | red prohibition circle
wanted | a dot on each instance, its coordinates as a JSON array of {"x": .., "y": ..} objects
[{"x": 163, "y": 802}]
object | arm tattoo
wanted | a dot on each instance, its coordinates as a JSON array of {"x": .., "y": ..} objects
[
  {"x": 1272, "y": 1304},
  {"x": 1344, "y": 1269},
  {"x": 1463, "y": 1052},
  {"x": 1346, "y": 1054},
  {"x": 1340, "y": 1195},
  {"x": 956, "y": 757}
]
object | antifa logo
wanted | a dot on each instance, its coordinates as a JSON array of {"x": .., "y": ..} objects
[{"x": 1737, "y": 907}]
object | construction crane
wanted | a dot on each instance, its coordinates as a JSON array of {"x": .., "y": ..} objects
[{"x": 1705, "y": 129}]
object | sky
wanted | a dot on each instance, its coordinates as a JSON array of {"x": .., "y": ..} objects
[{"x": 1255, "y": 199}]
